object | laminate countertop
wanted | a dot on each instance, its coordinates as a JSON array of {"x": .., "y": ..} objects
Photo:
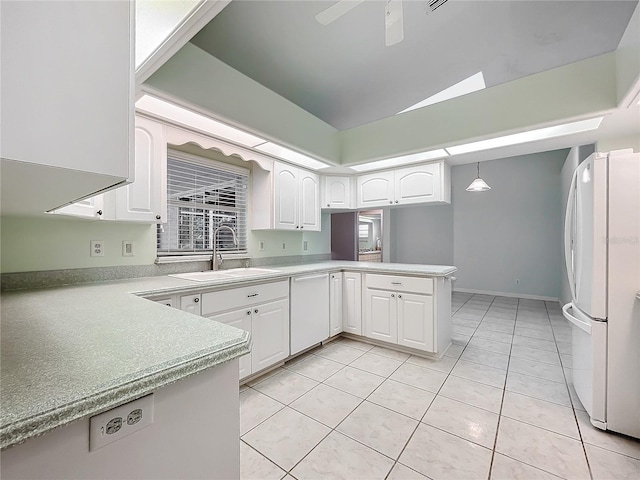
[{"x": 74, "y": 351}]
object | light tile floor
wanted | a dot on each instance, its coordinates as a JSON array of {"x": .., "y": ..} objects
[{"x": 498, "y": 405}]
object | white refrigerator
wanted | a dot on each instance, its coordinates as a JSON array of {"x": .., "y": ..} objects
[{"x": 602, "y": 253}]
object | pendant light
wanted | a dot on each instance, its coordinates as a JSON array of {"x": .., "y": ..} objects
[{"x": 478, "y": 185}]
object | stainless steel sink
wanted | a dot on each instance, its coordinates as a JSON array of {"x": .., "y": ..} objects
[{"x": 222, "y": 274}]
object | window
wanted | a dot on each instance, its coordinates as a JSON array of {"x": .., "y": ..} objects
[
  {"x": 363, "y": 231},
  {"x": 202, "y": 195}
]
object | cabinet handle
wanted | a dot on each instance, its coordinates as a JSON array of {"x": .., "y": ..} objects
[
  {"x": 393, "y": 295},
  {"x": 253, "y": 295},
  {"x": 396, "y": 283},
  {"x": 396, "y": 201},
  {"x": 255, "y": 311},
  {"x": 391, "y": 202},
  {"x": 158, "y": 217},
  {"x": 399, "y": 296},
  {"x": 248, "y": 312},
  {"x": 328, "y": 204},
  {"x": 297, "y": 226},
  {"x": 196, "y": 300},
  {"x": 302, "y": 226},
  {"x": 99, "y": 212}
]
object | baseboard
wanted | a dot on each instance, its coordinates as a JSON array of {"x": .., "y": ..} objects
[{"x": 504, "y": 294}]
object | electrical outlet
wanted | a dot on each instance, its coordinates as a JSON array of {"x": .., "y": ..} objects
[
  {"x": 128, "y": 248},
  {"x": 284, "y": 246},
  {"x": 261, "y": 246},
  {"x": 97, "y": 248},
  {"x": 120, "y": 422},
  {"x": 304, "y": 245}
]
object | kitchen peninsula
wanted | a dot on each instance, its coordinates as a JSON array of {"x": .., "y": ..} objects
[{"x": 72, "y": 352}]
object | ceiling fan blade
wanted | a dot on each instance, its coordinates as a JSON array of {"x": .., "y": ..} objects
[
  {"x": 336, "y": 10},
  {"x": 393, "y": 23}
]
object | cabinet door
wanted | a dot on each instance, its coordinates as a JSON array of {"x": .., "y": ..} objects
[
  {"x": 375, "y": 189},
  {"x": 240, "y": 319},
  {"x": 335, "y": 304},
  {"x": 418, "y": 184},
  {"x": 286, "y": 197},
  {"x": 337, "y": 192},
  {"x": 380, "y": 318},
  {"x": 309, "y": 201},
  {"x": 145, "y": 200},
  {"x": 415, "y": 321},
  {"x": 91, "y": 208},
  {"x": 270, "y": 331},
  {"x": 352, "y": 303},
  {"x": 191, "y": 304}
]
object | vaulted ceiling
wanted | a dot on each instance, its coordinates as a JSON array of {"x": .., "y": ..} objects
[{"x": 343, "y": 73}]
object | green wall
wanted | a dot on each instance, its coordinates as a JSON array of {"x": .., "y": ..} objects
[{"x": 36, "y": 243}]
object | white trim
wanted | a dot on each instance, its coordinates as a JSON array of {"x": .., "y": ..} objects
[
  {"x": 183, "y": 258},
  {"x": 179, "y": 37},
  {"x": 505, "y": 294},
  {"x": 208, "y": 162}
]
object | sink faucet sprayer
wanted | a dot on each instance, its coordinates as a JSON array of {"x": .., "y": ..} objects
[{"x": 215, "y": 261}]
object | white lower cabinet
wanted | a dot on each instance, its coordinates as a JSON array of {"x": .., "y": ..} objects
[
  {"x": 400, "y": 310},
  {"x": 270, "y": 332},
  {"x": 262, "y": 310},
  {"x": 415, "y": 321},
  {"x": 381, "y": 316},
  {"x": 239, "y": 319},
  {"x": 335, "y": 303},
  {"x": 352, "y": 302}
]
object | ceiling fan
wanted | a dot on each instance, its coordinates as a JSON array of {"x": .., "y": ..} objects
[{"x": 393, "y": 19}]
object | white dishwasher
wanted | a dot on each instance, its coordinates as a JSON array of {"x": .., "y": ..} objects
[{"x": 309, "y": 311}]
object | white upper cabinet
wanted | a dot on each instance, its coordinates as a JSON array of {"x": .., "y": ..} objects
[
  {"x": 286, "y": 199},
  {"x": 309, "y": 185},
  {"x": 67, "y": 106},
  {"x": 91, "y": 208},
  {"x": 338, "y": 192},
  {"x": 145, "y": 200},
  {"x": 419, "y": 184},
  {"x": 294, "y": 194},
  {"x": 375, "y": 189}
]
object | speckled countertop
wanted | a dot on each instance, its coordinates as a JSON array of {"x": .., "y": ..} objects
[{"x": 75, "y": 351}]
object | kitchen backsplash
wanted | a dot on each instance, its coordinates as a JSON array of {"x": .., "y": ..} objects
[{"x": 56, "y": 278}]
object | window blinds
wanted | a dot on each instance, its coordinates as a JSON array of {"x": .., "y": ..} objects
[{"x": 201, "y": 196}]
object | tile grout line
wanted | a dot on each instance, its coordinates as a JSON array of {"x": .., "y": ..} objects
[
  {"x": 434, "y": 398},
  {"x": 504, "y": 389},
  {"x": 575, "y": 415}
]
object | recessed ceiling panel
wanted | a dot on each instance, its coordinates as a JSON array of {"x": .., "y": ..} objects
[{"x": 344, "y": 74}]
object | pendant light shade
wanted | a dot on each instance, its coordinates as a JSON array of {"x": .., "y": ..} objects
[{"x": 478, "y": 185}]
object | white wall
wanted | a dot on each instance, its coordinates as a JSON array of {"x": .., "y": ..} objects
[
  {"x": 195, "y": 434},
  {"x": 422, "y": 235},
  {"x": 508, "y": 239},
  {"x": 512, "y": 232}
]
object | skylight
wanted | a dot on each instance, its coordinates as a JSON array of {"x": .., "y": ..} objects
[
  {"x": 402, "y": 160},
  {"x": 471, "y": 84},
  {"x": 192, "y": 119},
  {"x": 291, "y": 156},
  {"x": 530, "y": 136}
]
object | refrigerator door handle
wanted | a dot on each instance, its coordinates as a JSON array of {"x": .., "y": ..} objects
[
  {"x": 567, "y": 235},
  {"x": 584, "y": 326}
]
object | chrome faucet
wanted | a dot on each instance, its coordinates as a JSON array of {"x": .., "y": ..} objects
[{"x": 215, "y": 261}]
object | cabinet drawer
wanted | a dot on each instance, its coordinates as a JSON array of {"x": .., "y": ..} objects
[
  {"x": 399, "y": 283},
  {"x": 240, "y": 297}
]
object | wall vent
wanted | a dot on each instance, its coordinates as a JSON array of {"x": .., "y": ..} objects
[{"x": 433, "y": 4}]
